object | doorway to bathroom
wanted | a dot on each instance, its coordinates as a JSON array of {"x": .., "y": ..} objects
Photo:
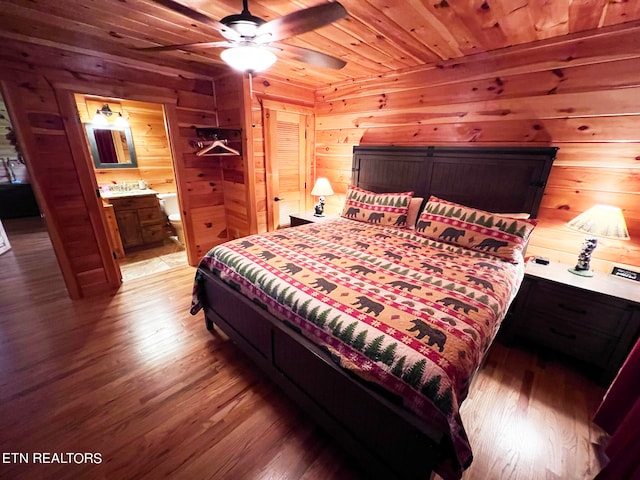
[{"x": 134, "y": 172}]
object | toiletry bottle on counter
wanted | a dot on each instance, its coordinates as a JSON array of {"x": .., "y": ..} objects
[{"x": 142, "y": 185}]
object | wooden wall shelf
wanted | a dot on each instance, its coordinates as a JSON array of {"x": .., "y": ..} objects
[{"x": 232, "y": 138}]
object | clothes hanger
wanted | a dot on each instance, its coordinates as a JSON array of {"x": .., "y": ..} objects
[{"x": 216, "y": 143}]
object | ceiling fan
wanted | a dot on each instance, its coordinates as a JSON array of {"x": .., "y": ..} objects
[{"x": 250, "y": 41}]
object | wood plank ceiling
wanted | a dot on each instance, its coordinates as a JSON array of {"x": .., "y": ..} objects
[{"x": 377, "y": 37}]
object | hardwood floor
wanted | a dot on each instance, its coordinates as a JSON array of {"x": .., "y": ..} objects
[{"x": 137, "y": 379}]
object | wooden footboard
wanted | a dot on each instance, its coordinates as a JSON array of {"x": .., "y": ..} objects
[{"x": 388, "y": 441}]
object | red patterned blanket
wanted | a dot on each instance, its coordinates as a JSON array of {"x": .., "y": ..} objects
[{"x": 413, "y": 315}]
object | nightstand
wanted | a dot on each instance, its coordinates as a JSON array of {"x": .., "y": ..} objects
[
  {"x": 594, "y": 320},
  {"x": 303, "y": 218}
]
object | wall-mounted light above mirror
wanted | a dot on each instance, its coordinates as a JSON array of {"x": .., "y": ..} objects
[
  {"x": 111, "y": 146},
  {"x": 101, "y": 118}
]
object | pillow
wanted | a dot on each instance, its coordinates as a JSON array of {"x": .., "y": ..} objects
[
  {"x": 497, "y": 235},
  {"x": 379, "y": 208},
  {"x": 414, "y": 210}
]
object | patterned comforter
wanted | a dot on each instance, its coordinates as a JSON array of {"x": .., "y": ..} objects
[{"x": 411, "y": 314}]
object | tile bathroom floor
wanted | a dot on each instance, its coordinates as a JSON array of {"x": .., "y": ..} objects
[{"x": 140, "y": 263}]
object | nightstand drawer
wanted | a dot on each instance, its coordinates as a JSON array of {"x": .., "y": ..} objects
[
  {"x": 571, "y": 338},
  {"x": 595, "y": 320},
  {"x": 582, "y": 309}
]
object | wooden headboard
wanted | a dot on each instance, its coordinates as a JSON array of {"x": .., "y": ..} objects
[{"x": 497, "y": 179}]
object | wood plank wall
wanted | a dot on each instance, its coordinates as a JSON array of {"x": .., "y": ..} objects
[
  {"x": 240, "y": 103},
  {"x": 199, "y": 179},
  {"x": 33, "y": 75},
  {"x": 41, "y": 133},
  {"x": 580, "y": 94},
  {"x": 229, "y": 93}
]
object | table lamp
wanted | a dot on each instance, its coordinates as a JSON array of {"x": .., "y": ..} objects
[
  {"x": 321, "y": 189},
  {"x": 599, "y": 221}
]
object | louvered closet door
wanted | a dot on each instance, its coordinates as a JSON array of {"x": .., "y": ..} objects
[{"x": 286, "y": 160}]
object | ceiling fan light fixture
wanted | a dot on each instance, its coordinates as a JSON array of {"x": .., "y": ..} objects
[
  {"x": 248, "y": 58},
  {"x": 252, "y": 42}
]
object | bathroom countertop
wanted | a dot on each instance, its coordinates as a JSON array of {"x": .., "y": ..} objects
[{"x": 129, "y": 193}]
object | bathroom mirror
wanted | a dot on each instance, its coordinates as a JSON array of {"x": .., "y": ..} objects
[{"x": 111, "y": 146}]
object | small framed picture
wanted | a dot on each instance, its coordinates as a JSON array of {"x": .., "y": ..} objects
[{"x": 4, "y": 240}]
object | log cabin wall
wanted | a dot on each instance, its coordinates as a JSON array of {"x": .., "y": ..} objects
[
  {"x": 240, "y": 103},
  {"x": 234, "y": 179},
  {"x": 579, "y": 94},
  {"x": 34, "y": 81},
  {"x": 153, "y": 152}
]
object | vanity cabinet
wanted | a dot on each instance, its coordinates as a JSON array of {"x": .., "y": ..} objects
[
  {"x": 115, "y": 241},
  {"x": 140, "y": 220}
]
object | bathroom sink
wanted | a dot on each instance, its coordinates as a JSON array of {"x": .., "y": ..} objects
[{"x": 128, "y": 193}]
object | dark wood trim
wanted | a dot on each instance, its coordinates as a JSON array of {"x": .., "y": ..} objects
[{"x": 473, "y": 176}]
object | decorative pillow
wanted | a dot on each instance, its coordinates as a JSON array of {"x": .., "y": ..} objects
[
  {"x": 414, "y": 210},
  {"x": 378, "y": 208},
  {"x": 486, "y": 232}
]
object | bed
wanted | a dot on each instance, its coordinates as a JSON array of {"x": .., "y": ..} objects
[{"x": 376, "y": 329}]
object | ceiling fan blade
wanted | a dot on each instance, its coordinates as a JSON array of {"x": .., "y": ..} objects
[
  {"x": 185, "y": 46},
  {"x": 300, "y": 22},
  {"x": 312, "y": 57},
  {"x": 199, "y": 17}
]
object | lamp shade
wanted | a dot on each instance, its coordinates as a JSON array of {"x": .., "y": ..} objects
[
  {"x": 248, "y": 58},
  {"x": 601, "y": 221},
  {"x": 121, "y": 121},
  {"x": 99, "y": 119},
  {"x": 322, "y": 188}
]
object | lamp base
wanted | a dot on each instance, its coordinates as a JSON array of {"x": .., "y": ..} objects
[
  {"x": 582, "y": 273},
  {"x": 319, "y": 208}
]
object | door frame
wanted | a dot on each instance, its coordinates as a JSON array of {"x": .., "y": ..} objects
[
  {"x": 85, "y": 166},
  {"x": 27, "y": 141},
  {"x": 267, "y": 107},
  {"x": 88, "y": 182},
  {"x": 65, "y": 96}
]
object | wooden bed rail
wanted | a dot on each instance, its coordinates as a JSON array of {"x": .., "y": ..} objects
[{"x": 388, "y": 441}]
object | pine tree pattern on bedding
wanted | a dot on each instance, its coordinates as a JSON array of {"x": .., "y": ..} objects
[{"x": 410, "y": 313}]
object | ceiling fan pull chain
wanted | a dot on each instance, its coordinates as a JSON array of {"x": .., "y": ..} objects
[{"x": 250, "y": 85}]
